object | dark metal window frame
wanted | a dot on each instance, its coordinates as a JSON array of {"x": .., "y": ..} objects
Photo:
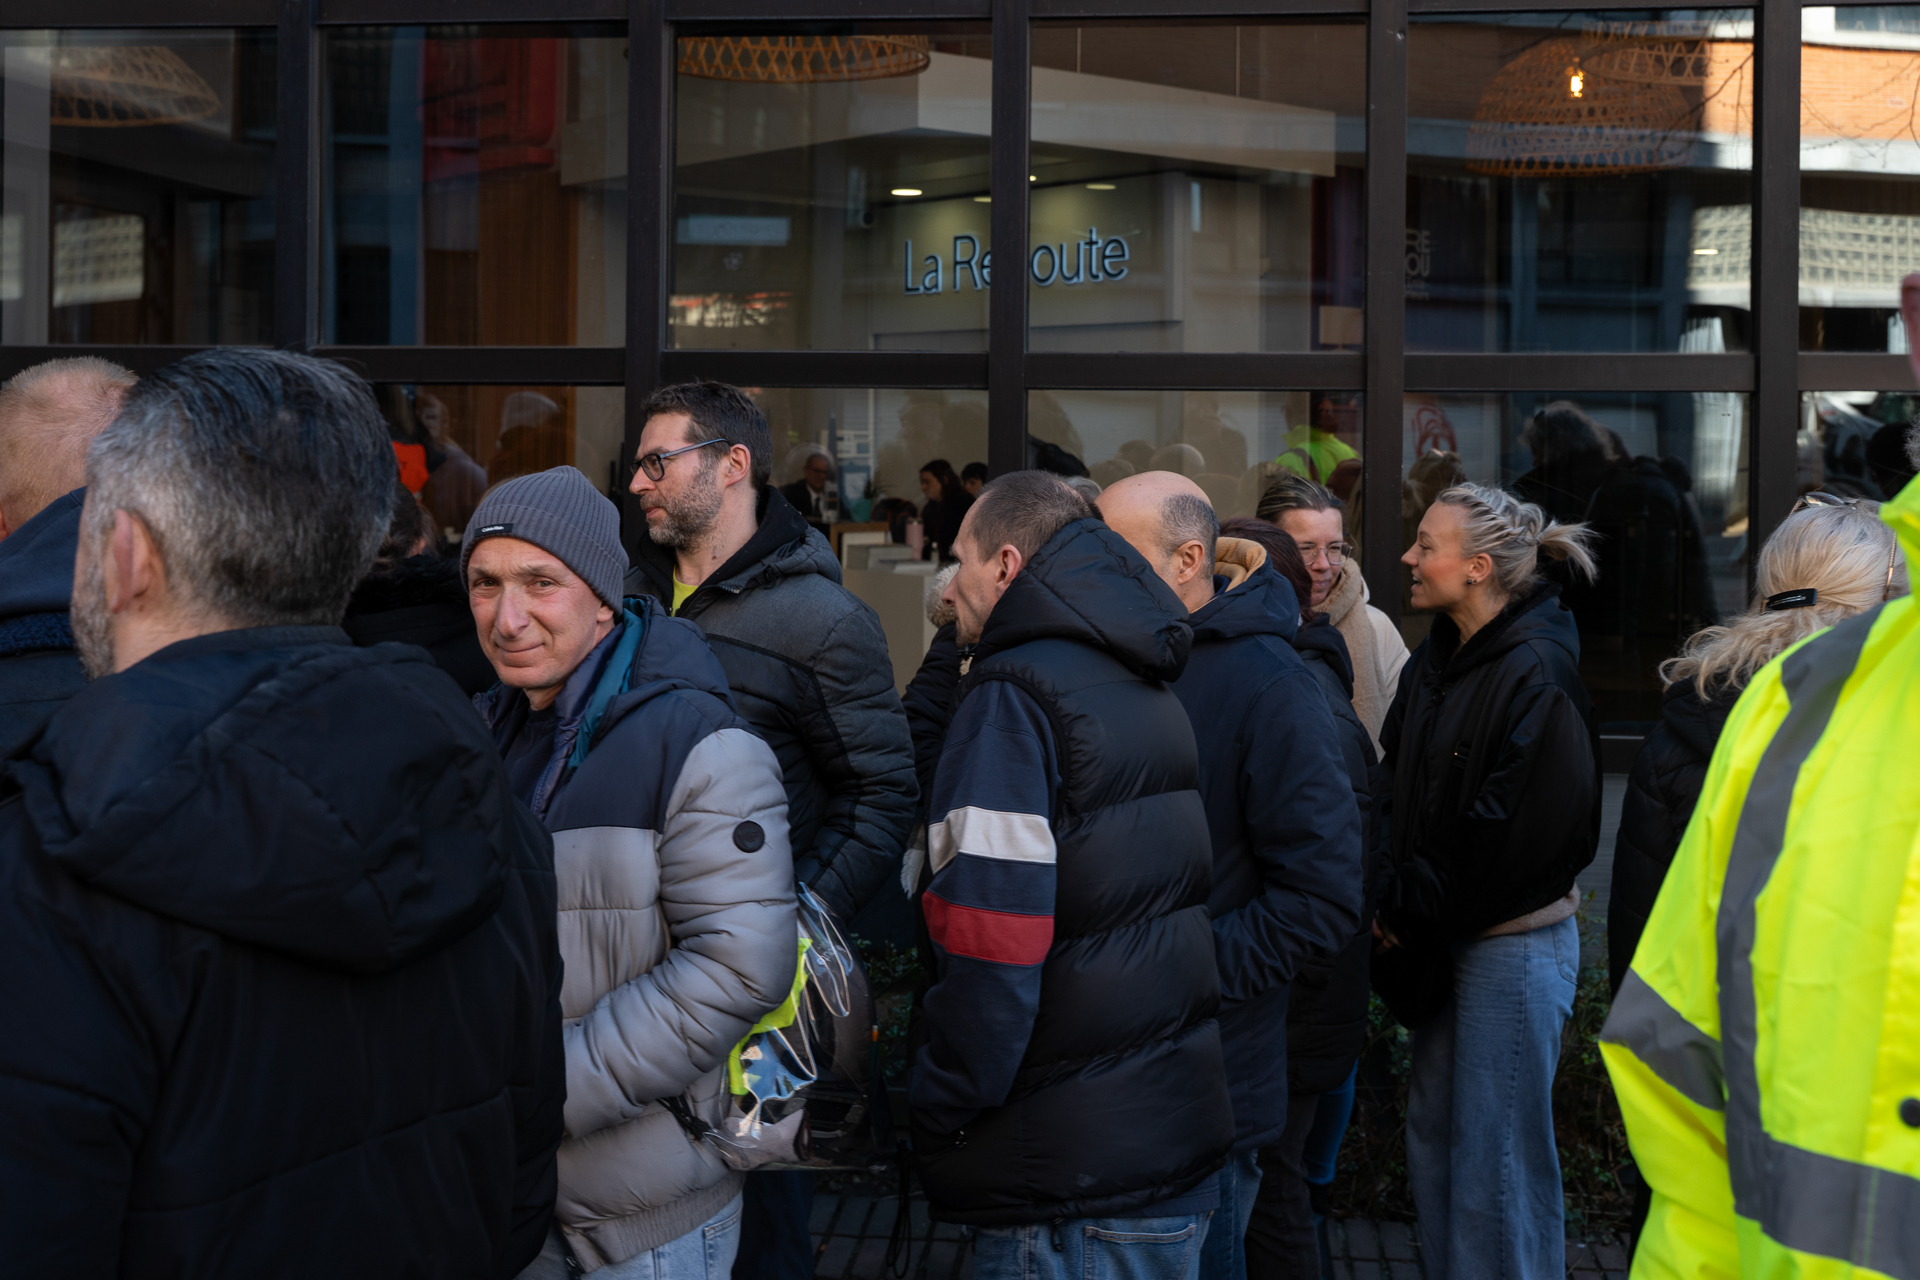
[{"x": 1773, "y": 375}]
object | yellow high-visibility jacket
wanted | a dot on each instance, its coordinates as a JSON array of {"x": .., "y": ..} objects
[{"x": 1766, "y": 1045}]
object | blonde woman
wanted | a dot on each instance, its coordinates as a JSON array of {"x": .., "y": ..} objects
[
  {"x": 1832, "y": 558},
  {"x": 1495, "y": 811}
]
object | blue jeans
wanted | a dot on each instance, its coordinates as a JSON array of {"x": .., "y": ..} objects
[
  {"x": 1224, "y": 1256},
  {"x": 704, "y": 1253},
  {"x": 1092, "y": 1249},
  {"x": 1480, "y": 1152},
  {"x": 1320, "y": 1158}
]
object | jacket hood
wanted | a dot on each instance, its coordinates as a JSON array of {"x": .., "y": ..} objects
[
  {"x": 270, "y": 785},
  {"x": 36, "y": 560},
  {"x": 1087, "y": 584},
  {"x": 1696, "y": 723},
  {"x": 1537, "y": 615},
  {"x": 783, "y": 546},
  {"x": 1234, "y": 559},
  {"x": 1261, "y": 604},
  {"x": 1321, "y": 639}
]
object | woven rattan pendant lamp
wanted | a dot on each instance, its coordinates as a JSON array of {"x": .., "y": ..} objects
[
  {"x": 119, "y": 87},
  {"x": 803, "y": 59},
  {"x": 1604, "y": 102}
]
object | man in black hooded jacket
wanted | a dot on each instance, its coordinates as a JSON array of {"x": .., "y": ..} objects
[
  {"x": 279, "y": 982},
  {"x": 1281, "y": 811}
]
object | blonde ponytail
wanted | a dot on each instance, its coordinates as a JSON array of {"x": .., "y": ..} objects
[{"x": 1513, "y": 533}]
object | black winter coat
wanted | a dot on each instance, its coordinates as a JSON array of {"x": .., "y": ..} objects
[
  {"x": 1661, "y": 792},
  {"x": 1496, "y": 785},
  {"x": 808, "y": 666},
  {"x": 423, "y": 601},
  {"x": 282, "y": 992},
  {"x": 39, "y": 667},
  {"x": 1120, "y": 1100},
  {"x": 1284, "y": 826},
  {"x": 1327, "y": 1007},
  {"x": 929, "y": 699}
]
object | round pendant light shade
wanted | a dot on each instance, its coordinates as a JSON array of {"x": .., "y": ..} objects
[
  {"x": 106, "y": 88},
  {"x": 1590, "y": 105},
  {"x": 803, "y": 59}
]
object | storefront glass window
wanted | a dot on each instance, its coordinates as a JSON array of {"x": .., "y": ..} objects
[
  {"x": 1661, "y": 477},
  {"x": 831, "y": 190},
  {"x": 139, "y": 186},
  {"x": 1197, "y": 187},
  {"x": 1859, "y": 174},
  {"x": 455, "y": 442},
  {"x": 1580, "y": 181},
  {"x": 475, "y": 188},
  {"x": 1233, "y": 444},
  {"x": 1854, "y": 443}
]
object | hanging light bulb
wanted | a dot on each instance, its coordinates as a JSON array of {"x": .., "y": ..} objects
[{"x": 1576, "y": 81}]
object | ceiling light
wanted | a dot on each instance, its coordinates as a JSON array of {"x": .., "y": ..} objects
[
  {"x": 983, "y": 199},
  {"x": 1099, "y": 186},
  {"x": 1032, "y": 178},
  {"x": 1706, "y": 253},
  {"x": 906, "y": 191}
]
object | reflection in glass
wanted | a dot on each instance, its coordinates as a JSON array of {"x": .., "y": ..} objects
[
  {"x": 1233, "y": 444},
  {"x": 1197, "y": 187},
  {"x": 831, "y": 191},
  {"x": 1859, "y": 174},
  {"x": 475, "y": 189},
  {"x": 138, "y": 200},
  {"x": 1661, "y": 477},
  {"x": 1580, "y": 181},
  {"x": 455, "y": 442},
  {"x": 1854, "y": 443}
]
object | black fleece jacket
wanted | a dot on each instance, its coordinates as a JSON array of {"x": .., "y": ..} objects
[
  {"x": 1496, "y": 786},
  {"x": 39, "y": 666}
]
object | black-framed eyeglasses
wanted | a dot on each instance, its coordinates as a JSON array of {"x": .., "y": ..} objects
[
  {"x": 655, "y": 464},
  {"x": 1820, "y": 498}
]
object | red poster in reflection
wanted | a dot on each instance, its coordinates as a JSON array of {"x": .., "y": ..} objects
[
  {"x": 1431, "y": 430},
  {"x": 413, "y": 465}
]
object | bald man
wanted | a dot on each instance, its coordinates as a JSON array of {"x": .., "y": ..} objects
[
  {"x": 1281, "y": 811},
  {"x": 49, "y": 414}
]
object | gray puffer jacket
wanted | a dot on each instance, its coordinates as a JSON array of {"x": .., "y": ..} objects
[
  {"x": 808, "y": 666},
  {"x": 676, "y": 921}
]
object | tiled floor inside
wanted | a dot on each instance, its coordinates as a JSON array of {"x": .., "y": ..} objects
[{"x": 850, "y": 1235}]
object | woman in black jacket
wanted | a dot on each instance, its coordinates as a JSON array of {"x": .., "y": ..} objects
[
  {"x": 1830, "y": 559},
  {"x": 1495, "y": 810},
  {"x": 947, "y": 505}
]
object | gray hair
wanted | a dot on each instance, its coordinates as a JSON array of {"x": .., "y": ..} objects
[
  {"x": 1185, "y": 518},
  {"x": 1513, "y": 534},
  {"x": 1024, "y": 509},
  {"x": 49, "y": 413},
  {"x": 265, "y": 478}
]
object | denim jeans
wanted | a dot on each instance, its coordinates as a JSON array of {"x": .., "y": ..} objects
[
  {"x": 1480, "y": 1152},
  {"x": 704, "y": 1253},
  {"x": 1224, "y": 1256},
  {"x": 1092, "y": 1249}
]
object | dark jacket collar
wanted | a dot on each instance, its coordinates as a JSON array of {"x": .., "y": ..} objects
[
  {"x": 1696, "y": 722},
  {"x": 1535, "y": 615},
  {"x": 1323, "y": 640},
  {"x": 36, "y": 560},
  {"x": 1087, "y": 584},
  {"x": 783, "y": 545},
  {"x": 1262, "y": 604}
]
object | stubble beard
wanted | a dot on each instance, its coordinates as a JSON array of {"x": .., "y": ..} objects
[
  {"x": 92, "y": 621},
  {"x": 689, "y": 521}
]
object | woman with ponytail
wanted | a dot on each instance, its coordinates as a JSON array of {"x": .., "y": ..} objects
[
  {"x": 1831, "y": 558},
  {"x": 1495, "y": 810}
]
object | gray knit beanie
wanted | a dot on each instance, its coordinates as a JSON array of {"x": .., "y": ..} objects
[{"x": 561, "y": 512}]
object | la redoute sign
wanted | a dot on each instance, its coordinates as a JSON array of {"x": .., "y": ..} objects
[{"x": 1094, "y": 260}]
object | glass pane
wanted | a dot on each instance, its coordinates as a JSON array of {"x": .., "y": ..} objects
[
  {"x": 882, "y": 512},
  {"x": 138, "y": 200},
  {"x": 1661, "y": 477},
  {"x": 475, "y": 188},
  {"x": 1859, "y": 174},
  {"x": 830, "y": 191},
  {"x": 455, "y": 442},
  {"x": 1197, "y": 186},
  {"x": 1231, "y": 443},
  {"x": 1854, "y": 443},
  {"x": 1580, "y": 181}
]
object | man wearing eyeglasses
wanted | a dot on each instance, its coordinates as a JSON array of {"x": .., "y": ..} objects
[{"x": 808, "y": 666}]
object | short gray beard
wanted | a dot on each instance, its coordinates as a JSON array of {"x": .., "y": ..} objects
[
  {"x": 92, "y": 621},
  {"x": 690, "y": 523}
]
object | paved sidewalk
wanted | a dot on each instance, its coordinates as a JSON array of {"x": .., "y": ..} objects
[{"x": 850, "y": 1235}]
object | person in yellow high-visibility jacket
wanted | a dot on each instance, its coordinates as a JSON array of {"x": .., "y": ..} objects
[{"x": 1765, "y": 1046}]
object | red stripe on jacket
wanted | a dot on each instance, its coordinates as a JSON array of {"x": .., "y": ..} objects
[{"x": 1001, "y": 937}]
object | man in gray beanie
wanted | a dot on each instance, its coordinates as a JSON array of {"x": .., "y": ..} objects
[{"x": 669, "y": 823}]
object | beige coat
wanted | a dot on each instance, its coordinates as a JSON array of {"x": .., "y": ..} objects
[{"x": 1374, "y": 644}]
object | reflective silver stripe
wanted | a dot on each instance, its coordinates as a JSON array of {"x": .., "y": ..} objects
[
  {"x": 1814, "y": 1203},
  {"x": 1680, "y": 1053}
]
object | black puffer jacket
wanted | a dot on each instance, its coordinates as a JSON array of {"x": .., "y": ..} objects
[
  {"x": 808, "y": 666},
  {"x": 1327, "y": 1010},
  {"x": 1661, "y": 792},
  {"x": 1119, "y": 1099},
  {"x": 422, "y": 601},
  {"x": 283, "y": 979},
  {"x": 929, "y": 699},
  {"x": 1496, "y": 789},
  {"x": 39, "y": 667}
]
